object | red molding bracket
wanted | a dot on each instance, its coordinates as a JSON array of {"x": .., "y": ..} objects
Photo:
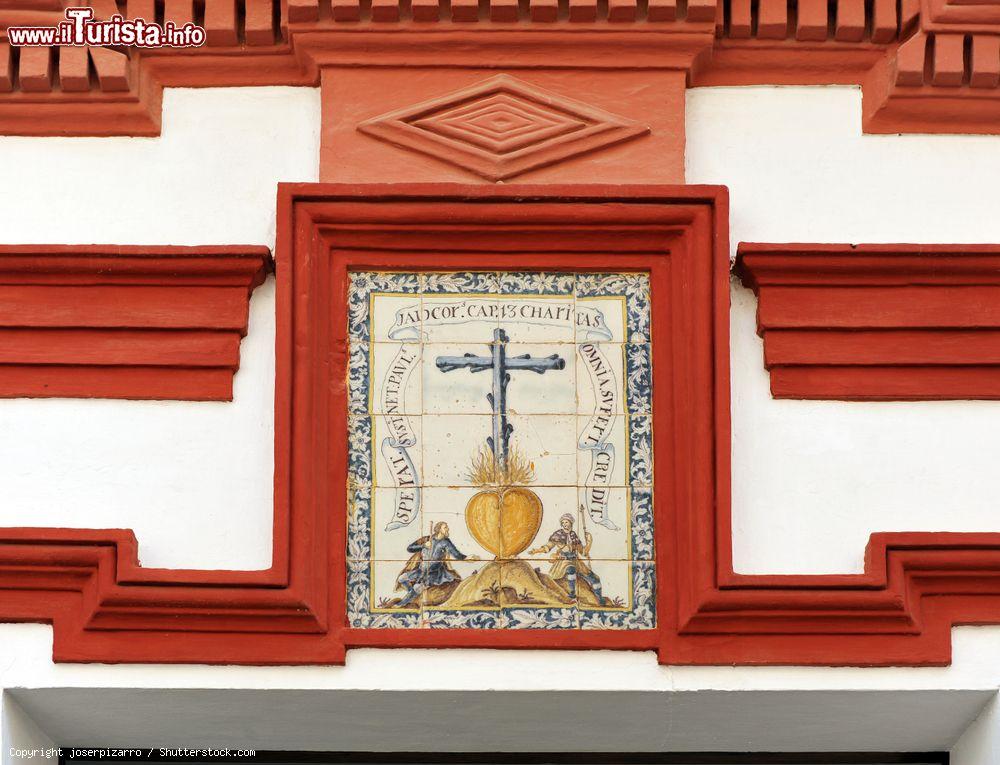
[
  {"x": 97, "y": 321},
  {"x": 877, "y": 322}
]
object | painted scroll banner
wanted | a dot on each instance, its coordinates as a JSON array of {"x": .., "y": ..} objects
[
  {"x": 406, "y": 504},
  {"x": 590, "y": 328},
  {"x": 549, "y": 313},
  {"x": 594, "y": 437}
]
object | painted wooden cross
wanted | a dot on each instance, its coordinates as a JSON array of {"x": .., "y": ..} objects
[{"x": 502, "y": 366}]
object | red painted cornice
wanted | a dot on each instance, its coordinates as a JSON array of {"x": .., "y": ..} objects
[
  {"x": 930, "y": 66},
  {"x": 96, "y": 321},
  {"x": 877, "y": 322}
]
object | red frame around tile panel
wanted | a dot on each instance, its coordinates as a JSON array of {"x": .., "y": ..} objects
[
  {"x": 677, "y": 234},
  {"x": 98, "y": 321},
  {"x": 105, "y": 607},
  {"x": 877, "y": 322}
]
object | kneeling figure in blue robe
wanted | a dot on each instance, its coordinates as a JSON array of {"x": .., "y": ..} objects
[{"x": 428, "y": 566}]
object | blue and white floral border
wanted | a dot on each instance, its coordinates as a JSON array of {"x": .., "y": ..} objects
[{"x": 634, "y": 288}]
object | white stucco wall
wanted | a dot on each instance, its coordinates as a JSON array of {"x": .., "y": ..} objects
[
  {"x": 800, "y": 170},
  {"x": 208, "y": 179},
  {"x": 980, "y": 744},
  {"x": 22, "y": 742},
  {"x": 194, "y": 480},
  {"x": 743, "y": 708},
  {"x": 811, "y": 480}
]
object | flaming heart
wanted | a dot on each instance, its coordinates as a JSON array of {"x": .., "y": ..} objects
[{"x": 504, "y": 521}]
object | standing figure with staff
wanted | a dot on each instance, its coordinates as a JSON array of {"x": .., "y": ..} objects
[{"x": 571, "y": 557}]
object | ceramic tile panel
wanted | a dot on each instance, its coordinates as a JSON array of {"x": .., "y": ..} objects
[
  {"x": 471, "y": 601},
  {"x": 398, "y": 460},
  {"x": 359, "y": 523},
  {"x": 609, "y": 542},
  {"x": 526, "y": 393},
  {"x": 532, "y": 600},
  {"x": 640, "y": 601},
  {"x": 602, "y": 453},
  {"x": 390, "y": 507},
  {"x": 548, "y": 445},
  {"x": 537, "y": 283},
  {"x": 638, "y": 378},
  {"x": 600, "y": 367},
  {"x": 373, "y": 600},
  {"x": 448, "y": 434},
  {"x": 359, "y": 451},
  {"x": 629, "y": 292},
  {"x": 398, "y": 369},
  {"x": 447, "y": 504},
  {"x": 501, "y": 457},
  {"x": 395, "y": 320},
  {"x": 640, "y": 450},
  {"x": 358, "y": 393},
  {"x": 546, "y": 393}
]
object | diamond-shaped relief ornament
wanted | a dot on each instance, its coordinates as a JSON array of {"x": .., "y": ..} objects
[{"x": 502, "y": 127}]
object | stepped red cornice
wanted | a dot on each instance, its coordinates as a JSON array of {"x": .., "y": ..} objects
[
  {"x": 877, "y": 322},
  {"x": 925, "y": 65},
  {"x": 105, "y": 607},
  {"x": 97, "y": 321}
]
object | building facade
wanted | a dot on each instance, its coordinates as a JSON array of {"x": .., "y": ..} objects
[{"x": 523, "y": 377}]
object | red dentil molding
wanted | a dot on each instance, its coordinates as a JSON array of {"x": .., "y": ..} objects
[
  {"x": 877, "y": 322},
  {"x": 105, "y": 607},
  {"x": 924, "y": 65},
  {"x": 95, "y": 321}
]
